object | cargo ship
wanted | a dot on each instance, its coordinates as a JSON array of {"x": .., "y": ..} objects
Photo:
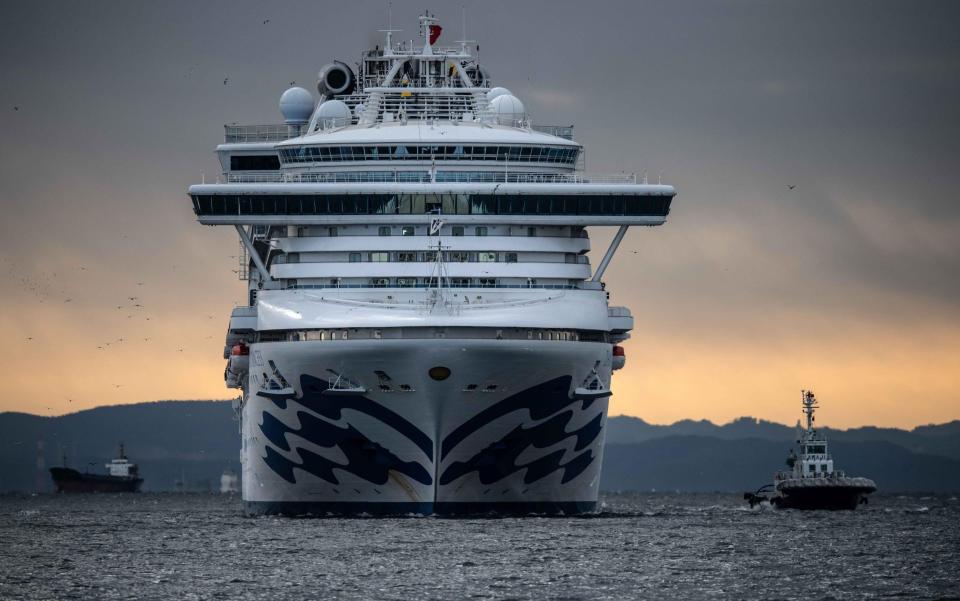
[{"x": 121, "y": 476}]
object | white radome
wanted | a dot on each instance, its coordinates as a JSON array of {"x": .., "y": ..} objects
[
  {"x": 334, "y": 113},
  {"x": 495, "y": 92},
  {"x": 508, "y": 109},
  {"x": 296, "y": 105}
]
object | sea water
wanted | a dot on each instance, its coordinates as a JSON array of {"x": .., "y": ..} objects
[{"x": 680, "y": 546}]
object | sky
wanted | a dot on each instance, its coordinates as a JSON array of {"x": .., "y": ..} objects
[{"x": 848, "y": 284}]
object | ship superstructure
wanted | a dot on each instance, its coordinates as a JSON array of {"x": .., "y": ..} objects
[{"x": 423, "y": 330}]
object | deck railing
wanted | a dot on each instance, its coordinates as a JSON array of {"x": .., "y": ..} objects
[
  {"x": 408, "y": 177},
  {"x": 278, "y": 132}
]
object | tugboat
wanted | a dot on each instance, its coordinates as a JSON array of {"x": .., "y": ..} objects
[
  {"x": 121, "y": 477},
  {"x": 812, "y": 482}
]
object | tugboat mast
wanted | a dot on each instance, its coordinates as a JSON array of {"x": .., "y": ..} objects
[{"x": 809, "y": 404}]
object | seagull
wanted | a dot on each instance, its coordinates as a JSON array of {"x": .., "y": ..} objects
[
  {"x": 16, "y": 108},
  {"x": 791, "y": 186}
]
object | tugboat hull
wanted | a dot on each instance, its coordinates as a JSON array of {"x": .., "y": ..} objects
[
  {"x": 71, "y": 481},
  {"x": 823, "y": 493}
]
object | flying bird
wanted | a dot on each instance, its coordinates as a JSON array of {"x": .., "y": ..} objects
[
  {"x": 225, "y": 80},
  {"x": 791, "y": 186},
  {"x": 265, "y": 21},
  {"x": 16, "y": 108}
]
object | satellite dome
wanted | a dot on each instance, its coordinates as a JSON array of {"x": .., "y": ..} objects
[
  {"x": 333, "y": 113},
  {"x": 495, "y": 92},
  {"x": 507, "y": 109},
  {"x": 296, "y": 104}
]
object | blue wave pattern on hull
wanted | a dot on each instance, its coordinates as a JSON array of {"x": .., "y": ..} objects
[
  {"x": 499, "y": 460},
  {"x": 365, "y": 458},
  {"x": 372, "y": 462}
]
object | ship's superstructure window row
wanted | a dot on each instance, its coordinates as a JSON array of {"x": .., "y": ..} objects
[
  {"x": 407, "y": 204},
  {"x": 459, "y": 256},
  {"x": 417, "y": 333},
  {"x": 411, "y": 282},
  {"x": 565, "y": 155}
]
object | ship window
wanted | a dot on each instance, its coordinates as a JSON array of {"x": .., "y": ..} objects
[
  {"x": 406, "y": 282},
  {"x": 408, "y": 230},
  {"x": 487, "y": 257},
  {"x": 531, "y": 232},
  {"x": 458, "y": 230},
  {"x": 480, "y": 230},
  {"x": 344, "y": 334},
  {"x": 355, "y": 257},
  {"x": 379, "y": 257},
  {"x": 378, "y": 334},
  {"x": 407, "y": 257},
  {"x": 384, "y": 230},
  {"x": 458, "y": 256},
  {"x": 380, "y": 282},
  {"x": 333, "y": 232},
  {"x": 511, "y": 257},
  {"x": 268, "y": 162}
]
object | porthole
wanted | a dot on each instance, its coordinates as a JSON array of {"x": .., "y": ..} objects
[{"x": 439, "y": 373}]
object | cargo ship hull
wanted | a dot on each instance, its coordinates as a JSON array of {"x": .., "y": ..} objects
[{"x": 71, "y": 481}]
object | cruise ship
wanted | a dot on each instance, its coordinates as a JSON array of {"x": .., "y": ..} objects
[{"x": 423, "y": 331}]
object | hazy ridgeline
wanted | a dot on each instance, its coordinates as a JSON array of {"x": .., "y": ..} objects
[{"x": 194, "y": 441}]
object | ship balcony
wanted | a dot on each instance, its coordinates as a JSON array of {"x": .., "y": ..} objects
[
  {"x": 396, "y": 176},
  {"x": 278, "y": 132},
  {"x": 374, "y": 242},
  {"x": 553, "y": 270}
]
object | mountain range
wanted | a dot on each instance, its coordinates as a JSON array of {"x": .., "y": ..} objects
[{"x": 188, "y": 444}]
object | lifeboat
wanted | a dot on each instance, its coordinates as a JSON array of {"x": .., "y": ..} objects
[
  {"x": 239, "y": 362},
  {"x": 619, "y": 357}
]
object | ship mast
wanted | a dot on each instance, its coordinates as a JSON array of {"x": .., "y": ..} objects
[{"x": 809, "y": 404}]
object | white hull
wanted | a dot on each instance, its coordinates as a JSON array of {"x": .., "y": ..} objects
[{"x": 525, "y": 446}]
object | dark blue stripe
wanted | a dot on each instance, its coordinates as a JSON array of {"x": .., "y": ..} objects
[
  {"x": 440, "y": 509},
  {"x": 332, "y": 407},
  {"x": 541, "y": 401}
]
